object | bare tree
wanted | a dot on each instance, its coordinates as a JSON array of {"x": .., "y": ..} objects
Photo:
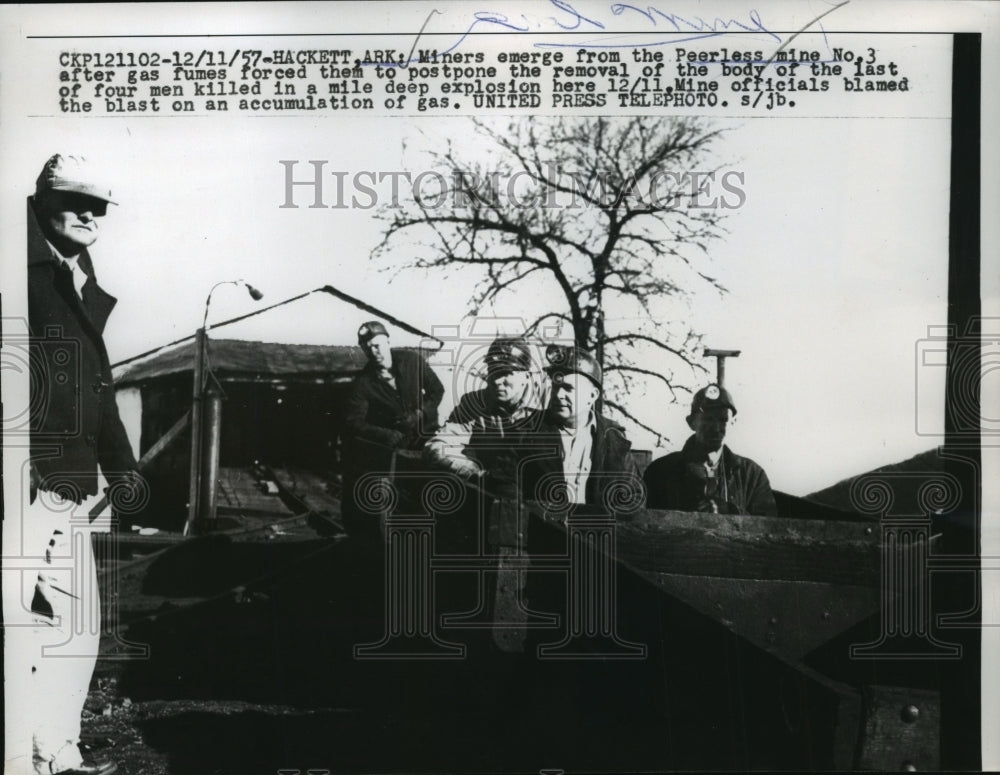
[{"x": 616, "y": 214}]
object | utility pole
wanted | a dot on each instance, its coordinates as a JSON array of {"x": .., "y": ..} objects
[{"x": 205, "y": 439}]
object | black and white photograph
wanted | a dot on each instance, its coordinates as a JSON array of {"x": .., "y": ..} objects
[{"x": 546, "y": 386}]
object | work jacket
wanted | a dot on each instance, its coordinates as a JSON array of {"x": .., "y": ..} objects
[
  {"x": 480, "y": 430},
  {"x": 678, "y": 481},
  {"x": 394, "y": 417},
  {"x": 613, "y": 483}
]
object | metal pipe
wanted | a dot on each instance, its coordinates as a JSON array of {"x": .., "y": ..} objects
[
  {"x": 211, "y": 438},
  {"x": 254, "y": 294},
  {"x": 194, "y": 489}
]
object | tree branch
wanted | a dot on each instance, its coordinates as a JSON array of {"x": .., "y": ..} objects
[{"x": 610, "y": 404}]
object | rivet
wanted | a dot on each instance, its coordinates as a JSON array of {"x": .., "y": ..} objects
[
  {"x": 868, "y": 531},
  {"x": 826, "y": 614},
  {"x": 774, "y": 620},
  {"x": 908, "y": 767},
  {"x": 910, "y": 713}
]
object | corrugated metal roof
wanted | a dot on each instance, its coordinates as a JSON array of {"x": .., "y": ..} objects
[{"x": 237, "y": 359}]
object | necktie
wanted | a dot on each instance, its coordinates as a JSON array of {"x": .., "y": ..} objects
[{"x": 79, "y": 276}]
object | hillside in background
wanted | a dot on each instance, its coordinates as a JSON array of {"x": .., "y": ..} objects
[{"x": 905, "y": 478}]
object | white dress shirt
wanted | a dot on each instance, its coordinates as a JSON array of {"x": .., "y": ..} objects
[{"x": 577, "y": 446}]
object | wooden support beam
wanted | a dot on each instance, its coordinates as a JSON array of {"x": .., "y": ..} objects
[{"x": 162, "y": 443}]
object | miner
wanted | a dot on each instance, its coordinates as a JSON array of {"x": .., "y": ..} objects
[
  {"x": 706, "y": 475},
  {"x": 393, "y": 405}
]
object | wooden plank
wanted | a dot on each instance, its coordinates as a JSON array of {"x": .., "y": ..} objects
[
  {"x": 746, "y": 525},
  {"x": 164, "y": 440},
  {"x": 747, "y": 547},
  {"x": 739, "y": 548}
]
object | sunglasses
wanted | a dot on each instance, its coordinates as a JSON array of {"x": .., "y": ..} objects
[{"x": 70, "y": 201}]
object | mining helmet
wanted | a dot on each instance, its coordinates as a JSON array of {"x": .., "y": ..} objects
[
  {"x": 710, "y": 397},
  {"x": 562, "y": 359},
  {"x": 369, "y": 331},
  {"x": 508, "y": 354}
]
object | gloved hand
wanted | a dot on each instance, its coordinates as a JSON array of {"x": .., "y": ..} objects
[
  {"x": 408, "y": 421},
  {"x": 708, "y": 506},
  {"x": 464, "y": 467}
]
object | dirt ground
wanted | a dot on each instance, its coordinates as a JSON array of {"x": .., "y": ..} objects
[
  {"x": 126, "y": 731},
  {"x": 148, "y": 714},
  {"x": 112, "y": 728}
]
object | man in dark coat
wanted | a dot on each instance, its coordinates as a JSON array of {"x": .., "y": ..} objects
[
  {"x": 393, "y": 405},
  {"x": 75, "y": 425},
  {"x": 75, "y": 430},
  {"x": 706, "y": 475},
  {"x": 578, "y": 454},
  {"x": 573, "y": 457}
]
